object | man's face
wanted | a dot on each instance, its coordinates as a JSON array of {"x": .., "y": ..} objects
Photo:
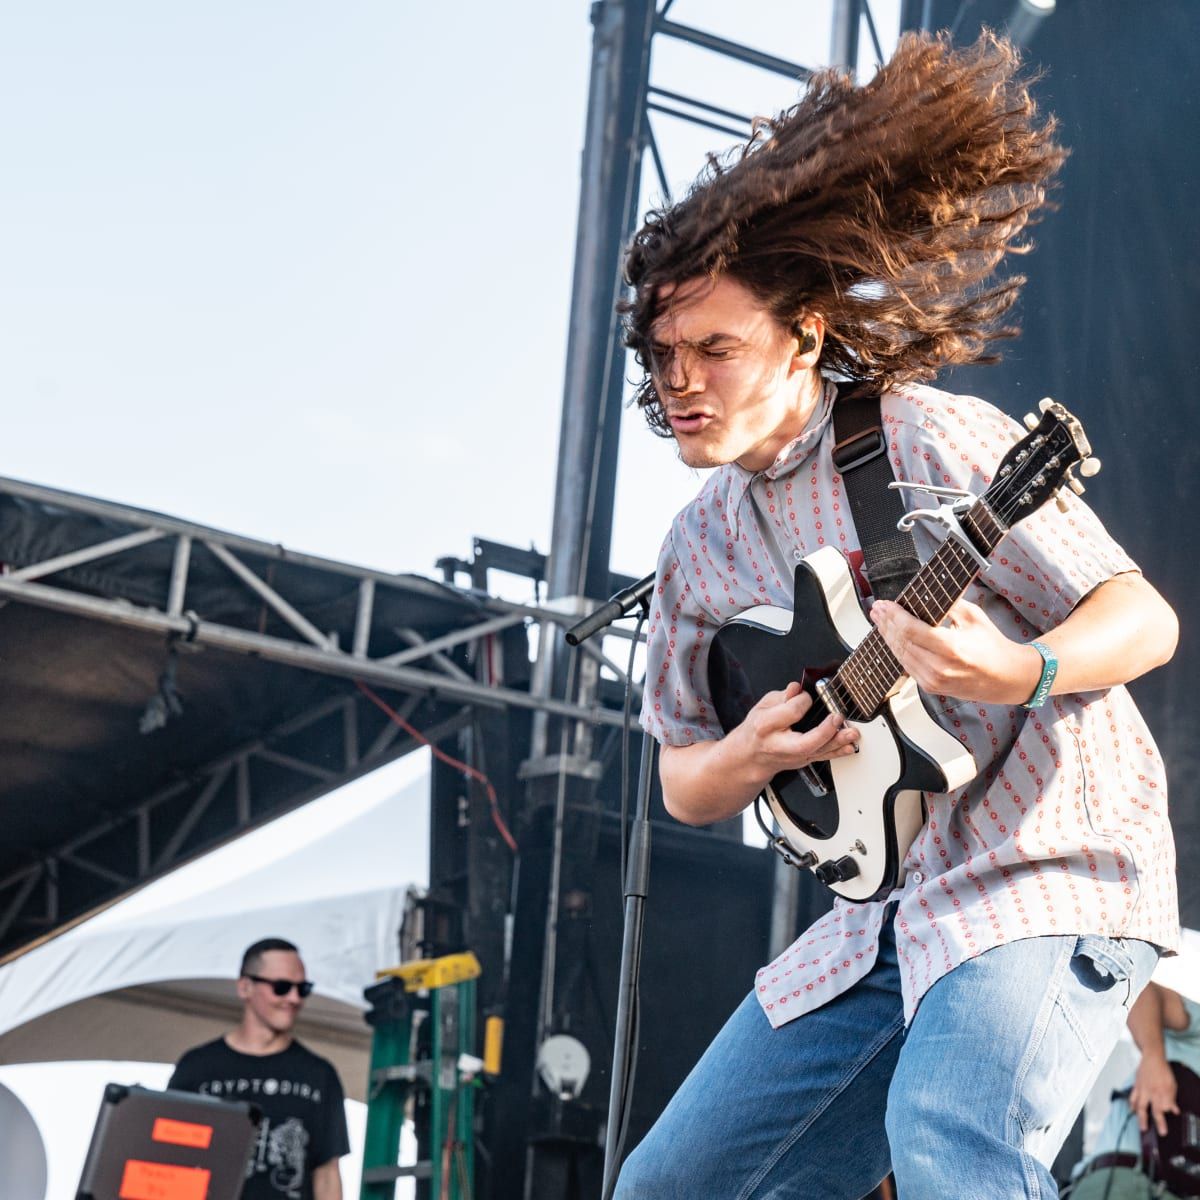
[
  {"x": 277, "y": 1013},
  {"x": 733, "y": 384}
]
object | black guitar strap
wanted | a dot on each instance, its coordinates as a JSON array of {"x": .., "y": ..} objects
[{"x": 861, "y": 458}]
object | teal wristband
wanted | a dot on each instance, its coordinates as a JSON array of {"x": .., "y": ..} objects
[{"x": 1049, "y": 670}]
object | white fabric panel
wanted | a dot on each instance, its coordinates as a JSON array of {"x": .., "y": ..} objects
[{"x": 330, "y": 877}]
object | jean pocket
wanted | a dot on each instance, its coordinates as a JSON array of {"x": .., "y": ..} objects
[{"x": 1102, "y": 963}]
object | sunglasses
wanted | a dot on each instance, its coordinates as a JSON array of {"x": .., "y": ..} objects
[{"x": 281, "y": 987}]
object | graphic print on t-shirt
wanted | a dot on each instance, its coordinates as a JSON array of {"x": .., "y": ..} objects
[
  {"x": 303, "y": 1121},
  {"x": 280, "y": 1152}
]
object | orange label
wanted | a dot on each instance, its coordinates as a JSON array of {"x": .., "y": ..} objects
[
  {"x": 158, "y": 1181},
  {"x": 182, "y": 1133}
]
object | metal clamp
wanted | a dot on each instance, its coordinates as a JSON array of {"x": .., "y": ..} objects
[{"x": 947, "y": 516}]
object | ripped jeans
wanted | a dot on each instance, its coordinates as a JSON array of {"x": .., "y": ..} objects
[{"x": 972, "y": 1102}]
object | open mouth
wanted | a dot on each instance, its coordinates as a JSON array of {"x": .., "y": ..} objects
[{"x": 689, "y": 422}]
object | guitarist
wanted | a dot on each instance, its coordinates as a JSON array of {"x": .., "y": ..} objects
[{"x": 949, "y": 1032}]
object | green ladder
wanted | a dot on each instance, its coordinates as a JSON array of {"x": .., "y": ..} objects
[{"x": 422, "y": 1049}]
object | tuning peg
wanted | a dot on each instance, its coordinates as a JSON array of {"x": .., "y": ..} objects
[
  {"x": 1045, "y": 403},
  {"x": 1076, "y": 486},
  {"x": 1089, "y": 467},
  {"x": 1061, "y": 501},
  {"x": 1030, "y": 421}
]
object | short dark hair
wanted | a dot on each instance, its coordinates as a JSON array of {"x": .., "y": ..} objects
[{"x": 252, "y": 959}]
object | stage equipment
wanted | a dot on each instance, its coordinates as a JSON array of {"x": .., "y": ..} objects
[
  {"x": 150, "y": 1145},
  {"x": 1027, "y": 17},
  {"x": 637, "y": 883},
  {"x": 423, "y": 1017},
  {"x": 260, "y": 647}
]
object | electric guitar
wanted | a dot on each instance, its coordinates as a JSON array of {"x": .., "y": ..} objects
[
  {"x": 851, "y": 820},
  {"x": 1174, "y": 1157}
]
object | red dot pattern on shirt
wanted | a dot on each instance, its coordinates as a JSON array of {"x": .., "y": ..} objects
[{"x": 1064, "y": 830}]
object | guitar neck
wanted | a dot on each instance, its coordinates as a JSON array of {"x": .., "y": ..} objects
[{"x": 871, "y": 671}]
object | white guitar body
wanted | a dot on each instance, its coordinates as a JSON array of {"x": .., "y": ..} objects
[
  {"x": 852, "y": 820},
  {"x": 878, "y": 816}
]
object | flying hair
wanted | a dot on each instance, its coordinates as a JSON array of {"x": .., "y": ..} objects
[{"x": 884, "y": 209}]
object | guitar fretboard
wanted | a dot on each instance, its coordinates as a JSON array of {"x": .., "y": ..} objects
[{"x": 871, "y": 671}]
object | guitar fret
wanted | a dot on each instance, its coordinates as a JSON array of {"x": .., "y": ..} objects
[
  {"x": 871, "y": 670},
  {"x": 859, "y": 679}
]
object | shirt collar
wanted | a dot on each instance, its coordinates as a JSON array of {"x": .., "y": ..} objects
[
  {"x": 792, "y": 455},
  {"x": 795, "y": 452}
]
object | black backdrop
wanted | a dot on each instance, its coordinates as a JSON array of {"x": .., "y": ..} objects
[{"x": 1109, "y": 316}]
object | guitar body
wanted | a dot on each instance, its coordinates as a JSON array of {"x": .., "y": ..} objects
[
  {"x": 1175, "y": 1156},
  {"x": 852, "y": 819}
]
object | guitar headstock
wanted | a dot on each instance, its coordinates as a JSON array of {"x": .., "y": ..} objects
[{"x": 1040, "y": 463}]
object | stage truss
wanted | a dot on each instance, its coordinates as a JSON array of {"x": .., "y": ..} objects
[{"x": 110, "y": 614}]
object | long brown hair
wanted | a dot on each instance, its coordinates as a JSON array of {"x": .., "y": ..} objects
[{"x": 884, "y": 209}]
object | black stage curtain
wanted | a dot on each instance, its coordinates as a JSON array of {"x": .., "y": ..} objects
[{"x": 1110, "y": 312}]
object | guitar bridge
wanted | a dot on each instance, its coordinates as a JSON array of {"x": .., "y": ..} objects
[{"x": 813, "y": 779}]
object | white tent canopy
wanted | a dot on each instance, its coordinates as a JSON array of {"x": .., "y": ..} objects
[{"x": 330, "y": 877}]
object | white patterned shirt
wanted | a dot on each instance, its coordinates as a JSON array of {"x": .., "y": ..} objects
[{"x": 1063, "y": 831}]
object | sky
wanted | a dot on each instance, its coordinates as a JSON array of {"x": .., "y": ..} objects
[{"x": 302, "y": 270}]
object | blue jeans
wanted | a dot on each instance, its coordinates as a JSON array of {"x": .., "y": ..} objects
[{"x": 972, "y": 1102}]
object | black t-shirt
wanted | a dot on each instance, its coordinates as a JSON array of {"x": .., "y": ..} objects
[{"x": 304, "y": 1119}]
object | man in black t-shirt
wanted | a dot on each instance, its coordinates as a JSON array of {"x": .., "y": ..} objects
[{"x": 303, "y": 1131}]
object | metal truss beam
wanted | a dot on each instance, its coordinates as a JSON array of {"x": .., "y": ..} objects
[
  {"x": 312, "y": 658},
  {"x": 734, "y": 50},
  {"x": 312, "y": 649},
  {"x": 29, "y": 898},
  {"x": 176, "y": 824}
]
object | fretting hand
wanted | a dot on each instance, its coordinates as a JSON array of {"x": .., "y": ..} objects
[{"x": 967, "y": 657}]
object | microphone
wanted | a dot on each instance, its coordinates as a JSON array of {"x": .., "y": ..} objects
[{"x": 621, "y": 604}]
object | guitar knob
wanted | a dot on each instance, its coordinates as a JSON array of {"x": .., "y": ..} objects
[
  {"x": 1089, "y": 467},
  {"x": 1030, "y": 421},
  {"x": 830, "y": 872}
]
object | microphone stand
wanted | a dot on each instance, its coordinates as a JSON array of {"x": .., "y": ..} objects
[{"x": 637, "y": 885}]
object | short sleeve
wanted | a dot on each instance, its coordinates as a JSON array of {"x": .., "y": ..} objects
[
  {"x": 677, "y": 706},
  {"x": 184, "y": 1078},
  {"x": 331, "y": 1140},
  {"x": 1050, "y": 559}
]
